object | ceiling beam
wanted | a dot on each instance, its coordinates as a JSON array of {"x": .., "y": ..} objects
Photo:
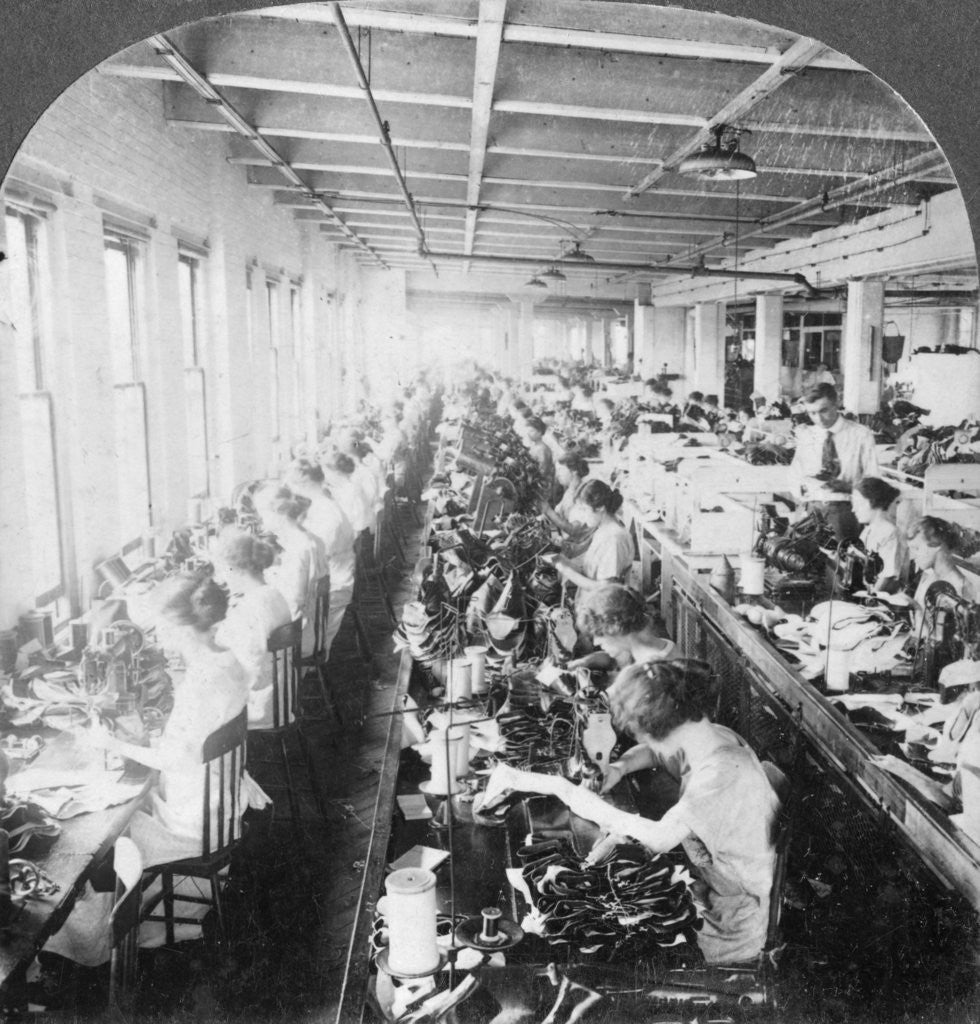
[
  {"x": 190, "y": 76},
  {"x": 576, "y": 111},
  {"x": 520, "y": 151},
  {"x": 803, "y": 52},
  {"x": 489, "y": 32},
  {"x": 612, "y": 42}
]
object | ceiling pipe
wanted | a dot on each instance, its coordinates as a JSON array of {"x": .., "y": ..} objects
[
  {"x": 852, "y": 192},
  {"x": 385, "y": 134},
  {"x": 632, "y": 268},
  {"x": 166, "y": 50}
]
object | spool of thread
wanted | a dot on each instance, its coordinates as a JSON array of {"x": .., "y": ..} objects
[
  {"x": 79, "y": 635},
  {"x": 753, "y": 578},
  {"x": 410, "y": 906},
  {"x": 837, "y": 676},
  {"x": 461, "y": 733},
  {"x": 491, "y": 917},
  {"x": 478, "y": 668},
  {"x": 722, "y": 579},
  {"x": 445, "y": 758},
  {"x": 8, "y": 650},
  {"x": 459, "y": 680},
  {"x": 38, "y": 626}
]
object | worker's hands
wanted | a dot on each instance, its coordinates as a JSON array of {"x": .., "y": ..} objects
[
  {"x": 598, "y": 660},
  {"x": 604, "y": 847},
  {"x": 838, "y": 486},
  {"x": 612, "y": 776}
]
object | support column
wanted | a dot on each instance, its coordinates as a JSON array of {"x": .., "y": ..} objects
[
  {"x": 861, "y": 345},
  {"x": 597, "y": 341},
  {"x": 709, "y": 348},
  {"x": 525, "y": 336},
  {"x": 513, "y": 328},
  {"x": 768, "y": 344},
  {"x": 643, "y": 340},
  {"x": 669, "y": 331}
]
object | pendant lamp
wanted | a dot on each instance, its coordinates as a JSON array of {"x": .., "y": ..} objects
[{"x": 720, "y": 159}]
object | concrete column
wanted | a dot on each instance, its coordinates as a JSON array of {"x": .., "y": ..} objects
[
  {"x": 525, "y": 339},
  {"x": 861, "y": 345},
  {"x": 768, "y": 344},
  {"x": 513, "y": 326},
  {"x": 597, "y": 341},
  {"x": 644, "y": 363},
  {"x": 709, "y": 349},
  {"x": 669, "y": 329}
]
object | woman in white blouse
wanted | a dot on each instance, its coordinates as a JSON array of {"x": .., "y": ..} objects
[
  {"x": 871, "y": 501},
  {"x": 302, "y": 561},
  {"x": 255, "y": 611},
  {"x": 610, "y": 551}
]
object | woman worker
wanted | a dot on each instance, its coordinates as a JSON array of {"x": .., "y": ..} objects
[
  {"x": 871, "y": 501},
  {"x": 327, "y": 522},
  {"x": 255, "y": 611},
  {"x": 610, "y": 551},
  {"x": 621, "y": 627},
  {"x": 724, "y": 816},
  {"x": 932, "y": 544},
  {"x": 211, "y": 692},
  {"x": 302, "y": 561},
  {"x": 571, "y": 470}
]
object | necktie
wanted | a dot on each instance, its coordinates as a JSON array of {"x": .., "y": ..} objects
[{"x": 829, "y": 459}]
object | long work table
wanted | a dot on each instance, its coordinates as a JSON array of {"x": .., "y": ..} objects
[
  {"x": 694, "y": 613},
  {"x": 82, "y": 844}
]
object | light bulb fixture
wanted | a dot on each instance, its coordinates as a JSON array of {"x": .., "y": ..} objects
[
  {"x": 553, "y": 274},
  {"x": 578, "y": 254},
  {"x": 535, "y": 282},
  {"x": 720, "y": 159}
]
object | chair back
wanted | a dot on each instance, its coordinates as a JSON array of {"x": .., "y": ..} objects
[
  {"x": 321, "y": 616},
  {"x": 284, "y": 648},
  {"x": 377, "y": 552},
  {"x": 124, "y": 922},
  {"x": 224, "y": 762}
]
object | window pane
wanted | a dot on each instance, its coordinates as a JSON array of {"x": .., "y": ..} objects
[
  {"x": 133, "y": 474},
  {"x": 120, "y": 265},
  {"x": 197, "y": 433},
  {"x": 23, "y": 263},
  {"x": 186, "y": 280},
  {"x": 272, "y": 303},
  {"x": 274, "y": 393},
  {"x": 41, "y": 492}
]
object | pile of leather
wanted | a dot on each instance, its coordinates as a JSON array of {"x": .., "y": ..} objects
[{"x": 630, "y": 904}]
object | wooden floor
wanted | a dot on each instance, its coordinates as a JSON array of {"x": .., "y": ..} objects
[{"x": 295, "y": 887}]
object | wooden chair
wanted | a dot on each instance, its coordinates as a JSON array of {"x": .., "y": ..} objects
[
  {"x": 284, "y": 647},
  {"x": 321, "y": 622},
  {"x": 223, "y": 757},
  {"x": 124, "y": 925}
]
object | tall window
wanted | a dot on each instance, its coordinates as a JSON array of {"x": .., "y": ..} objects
[
  {"x": 272, "y": 307},
  {"x": 124, "y": 265},
  {"x": 27, "y": 266},
  {"x": 190, "y": 276},
  {"x": 300, "y": 368},
  {"x": 249, "y": 323}
]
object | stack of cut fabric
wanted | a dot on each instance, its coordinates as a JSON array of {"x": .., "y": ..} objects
[{"x": 631, "y": 904}]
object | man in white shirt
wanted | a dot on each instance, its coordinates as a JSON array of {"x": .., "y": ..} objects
[{"x": 830, "y": 458}]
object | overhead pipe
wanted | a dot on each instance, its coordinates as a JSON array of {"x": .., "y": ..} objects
[
  {"x": 385, "y": 134},
  {"x": 633, "y": 268},
  {"x": 851, "y": 192},
  {"x": 192, "y": 77}
]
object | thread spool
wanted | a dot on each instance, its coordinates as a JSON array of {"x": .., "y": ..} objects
[
  {"x": 753, "y": 577},
  {"x": 8, "y": 650},
  {"x": 461, "y": 734},
  {"x": 445, "y": 757},
  {"x": 79, "y": 635},
  {"x": 489, "y": 933},
  {"x": 837, "y": 674},
  {"x": 459, "y": 680},
  {"x": 478, "y": 668},
  {"x": 413, "y": 948},
  {"x": 38, "y": 626}
]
